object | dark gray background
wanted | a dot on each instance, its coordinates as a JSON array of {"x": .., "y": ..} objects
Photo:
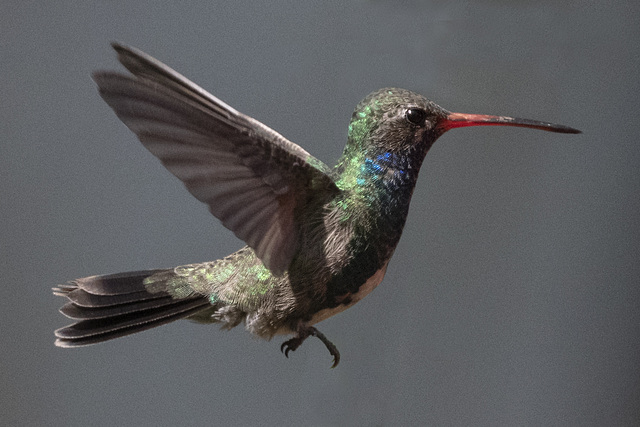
[{"x": 512, "y": 299}]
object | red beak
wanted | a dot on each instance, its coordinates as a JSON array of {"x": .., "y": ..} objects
[{"x": 458, "y": 120}]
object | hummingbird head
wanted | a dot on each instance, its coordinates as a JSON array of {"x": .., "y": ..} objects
[
  {"x": 391, "y": 131},
  {"x": 398, "y": 120}
]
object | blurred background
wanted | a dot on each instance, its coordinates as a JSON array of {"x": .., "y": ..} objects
[{"x": 513, "y": 297}]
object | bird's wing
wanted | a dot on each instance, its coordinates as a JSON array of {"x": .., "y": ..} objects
[{"x": 253, "y": 179}]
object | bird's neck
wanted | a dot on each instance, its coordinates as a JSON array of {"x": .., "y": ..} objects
[{"x": 377, "y": 185}]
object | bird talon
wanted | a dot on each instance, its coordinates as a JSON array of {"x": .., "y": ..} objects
[
  {"x": 304, "y": 332},
  {"x": 336, "y": 360},
  {"x": 290, "y": 345}
]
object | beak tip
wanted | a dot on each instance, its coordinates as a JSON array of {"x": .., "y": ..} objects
[{"x": 564, "y": 129}]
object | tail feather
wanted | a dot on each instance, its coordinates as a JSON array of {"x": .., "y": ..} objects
[
  {"x": 110, "y": 284},
  {"x": 83, "y": 298},
  {"x": 75, "y": 311},
  {"x": 116, "y": 305}
]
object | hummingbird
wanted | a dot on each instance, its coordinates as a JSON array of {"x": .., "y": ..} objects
[{"x": 318, "y": 239}]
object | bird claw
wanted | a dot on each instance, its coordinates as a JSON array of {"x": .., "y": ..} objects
[
  {"x": 303, "y": 333},
  {"x": 291, "y": 345},
  {"x": 333, "y": 350}
]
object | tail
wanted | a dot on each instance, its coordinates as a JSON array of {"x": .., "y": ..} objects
[{"x": 116, "y": 305}]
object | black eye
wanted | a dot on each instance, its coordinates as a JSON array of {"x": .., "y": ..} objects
[{"x": 416, "y": 116}]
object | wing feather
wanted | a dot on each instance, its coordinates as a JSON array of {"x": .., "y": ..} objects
[{"x": 252, "y": 178}]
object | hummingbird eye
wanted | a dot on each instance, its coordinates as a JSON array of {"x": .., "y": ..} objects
[{"x": 416, "y": 116}]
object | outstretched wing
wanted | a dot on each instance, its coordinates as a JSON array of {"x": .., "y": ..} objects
[{"x": 253, "y": 179}]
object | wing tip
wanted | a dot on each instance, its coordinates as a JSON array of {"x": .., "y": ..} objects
[{"x": 125, "y": 49}]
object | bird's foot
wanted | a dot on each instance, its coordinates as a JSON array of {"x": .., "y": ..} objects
[{"x": 303, "y": 333}]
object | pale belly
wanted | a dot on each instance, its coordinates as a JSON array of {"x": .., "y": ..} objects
[{"x": 364, "y": 290}]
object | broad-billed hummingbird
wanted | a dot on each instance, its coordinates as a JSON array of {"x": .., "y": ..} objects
[{"x": 318, "y": 239}]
